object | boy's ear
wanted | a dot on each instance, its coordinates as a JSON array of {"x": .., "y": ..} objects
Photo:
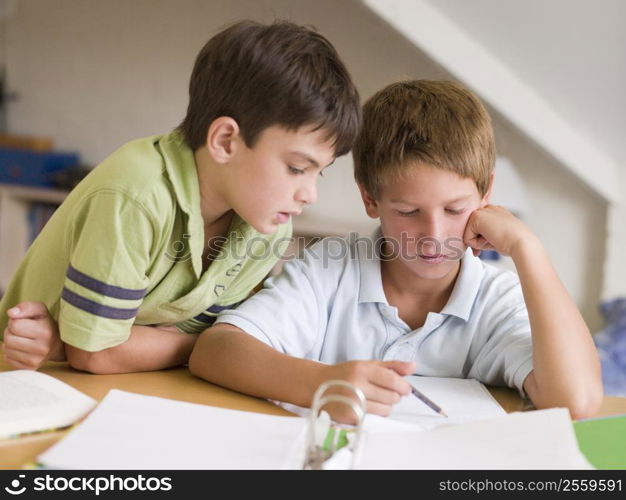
[
  {"x": 371, "y": 205},
  {"x": 222, "y": 138},
  {"x": 487, "y": 198}
]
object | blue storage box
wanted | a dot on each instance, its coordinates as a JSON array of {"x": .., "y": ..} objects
[
  {"x": 29, "y": 168},
  {"x": 611, "y": 344}
]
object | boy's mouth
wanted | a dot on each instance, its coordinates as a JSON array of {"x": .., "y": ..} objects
[
  {"x": 283, "y": 217},
  {"x": 433, "y": 259}
]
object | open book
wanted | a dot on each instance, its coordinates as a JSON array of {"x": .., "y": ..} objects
[
  {"x": 33, "y": 401},
  {"x": 132, "y": 431}
]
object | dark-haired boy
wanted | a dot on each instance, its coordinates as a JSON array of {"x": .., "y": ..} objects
[
  {"x": 126, "y": 265},
  {"x": 413, "y": 298}
]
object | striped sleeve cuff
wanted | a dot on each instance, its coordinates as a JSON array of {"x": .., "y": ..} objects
[
  {"x": 99, "y": 298},
  {"x": 96, "y": 315},
  {"x": 205, "y": 319}
]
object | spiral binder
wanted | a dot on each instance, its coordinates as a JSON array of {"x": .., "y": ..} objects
[{"x": 336, "y": 437}]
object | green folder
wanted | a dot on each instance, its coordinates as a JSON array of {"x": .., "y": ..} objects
[{"x": 603, "y": 441}]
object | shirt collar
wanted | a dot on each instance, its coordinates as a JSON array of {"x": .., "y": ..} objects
[
  {"x": 466, "y": 287},
  {"x": 371, "y": 285},
  {"x": 371, "y": 289},
  {"x": 180, "y": 166}
]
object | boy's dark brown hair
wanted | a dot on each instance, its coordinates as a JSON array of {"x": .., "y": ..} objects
[
  {"x": 437, "y": 123},
  {"x": 264, "y": 75}
]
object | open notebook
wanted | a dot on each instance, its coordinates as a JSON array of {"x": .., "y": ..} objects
[
  {"x": 33, "y": 401},
  {"x": 131, "y": 431},
  {"x": 462, "y": 399}
]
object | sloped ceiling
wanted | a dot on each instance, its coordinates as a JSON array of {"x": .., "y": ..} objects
[
  {"x": 573, "y": 52},
  {"x": 554, "y": 69}
]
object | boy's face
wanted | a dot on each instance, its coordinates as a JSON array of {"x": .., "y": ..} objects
[
  {"x": 272, "y": 181},
  {"x": 423, "y": 216}
]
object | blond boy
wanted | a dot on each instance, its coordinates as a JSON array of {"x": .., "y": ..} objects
[{"x": 413, "y": 297}]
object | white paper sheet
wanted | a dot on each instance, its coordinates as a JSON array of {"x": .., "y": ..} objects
[
  {"x": 133, "y": 431},
  {"x": 463, "y": 400},
  {"x": 542, "y": 439}
]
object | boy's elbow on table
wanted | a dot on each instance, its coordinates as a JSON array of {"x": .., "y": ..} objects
[
  {"x": 586, "y": 405},
  {"x": 582, "y": 400},
  {"x": 582, "y": 404},
  {"x": 90, "y": 362},
  {"x": 197, "y": 359},
  {"x": 586, "y": 400}
]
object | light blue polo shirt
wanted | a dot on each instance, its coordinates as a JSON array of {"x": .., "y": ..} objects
[{"x": 330, "y": 306}]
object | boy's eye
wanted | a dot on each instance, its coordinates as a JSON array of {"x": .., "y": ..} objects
[
  {"x": 454, "y": 211},
  {"x": 295, "y": 171},
  {"x": 409, "y": 213}
]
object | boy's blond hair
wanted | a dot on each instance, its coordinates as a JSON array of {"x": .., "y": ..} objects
[{"x": 437, "y": 123}]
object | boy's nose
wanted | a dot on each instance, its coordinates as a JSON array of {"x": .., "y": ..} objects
[
  {"x": 432, "y": 230},
  {"x": 307, "y": 193}
]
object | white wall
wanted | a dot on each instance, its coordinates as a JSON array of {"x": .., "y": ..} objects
[
  {"x": 614, "y": 267},
  {"x": 95, "y": 74},
  {"x": 568, "y": 217}
]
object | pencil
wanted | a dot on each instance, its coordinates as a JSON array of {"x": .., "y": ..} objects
[{"x": 428, "y": 402}]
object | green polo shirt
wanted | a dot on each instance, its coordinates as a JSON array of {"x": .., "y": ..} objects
[{"x": 125, "y": 248}]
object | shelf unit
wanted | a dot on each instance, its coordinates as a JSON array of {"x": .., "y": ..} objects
[{"x": 15, "y": 202}]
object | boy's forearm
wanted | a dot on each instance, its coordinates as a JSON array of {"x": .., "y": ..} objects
[
  {"x": 229, "y": 357},
  {"x": 566, "y": 369},
  {"x": 147, "y": 349}
]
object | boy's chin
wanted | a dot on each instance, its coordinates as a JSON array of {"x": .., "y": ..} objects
[
  {"x": 432, "y": 272},
  {"x": 264, "y": 227}
]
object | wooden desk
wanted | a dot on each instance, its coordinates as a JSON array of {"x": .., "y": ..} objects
[{"x": 179, "y": 384}]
